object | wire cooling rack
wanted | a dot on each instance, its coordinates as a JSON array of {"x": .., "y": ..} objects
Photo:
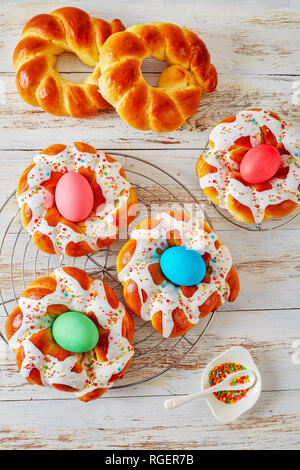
[
  {"x": 22, "y": 262},
  {"x": 267, "y": 225}
]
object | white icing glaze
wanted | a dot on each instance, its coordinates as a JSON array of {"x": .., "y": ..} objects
[
  {"x": 166, "y": 297},
  {"x": 248, "y": 123},
  {"x": 99, "y": 224},
  {"x": 296, "y": 354},
  {"x": 95, "y": 374}
]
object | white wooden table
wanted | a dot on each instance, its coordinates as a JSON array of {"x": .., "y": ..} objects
[{"x": 255, "y": 47}]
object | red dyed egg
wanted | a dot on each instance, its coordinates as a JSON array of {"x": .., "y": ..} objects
[
  {"x": 74, "y": 197},
  {"x": 260, "y": 164}
]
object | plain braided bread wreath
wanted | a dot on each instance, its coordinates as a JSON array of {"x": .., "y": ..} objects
[
  {"x": 179, "y": 87},
  {"x": 46, "y": 36}
]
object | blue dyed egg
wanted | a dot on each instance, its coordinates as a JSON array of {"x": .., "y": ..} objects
[{"x": 182, "y": 266}]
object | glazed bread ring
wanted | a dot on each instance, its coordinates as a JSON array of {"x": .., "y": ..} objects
[
  {"x": 29, "y": 330},
  {"x": 46, "y": 36},
  {"x": 114, "y": 200},
  {"x": 179, "y": 87},
  {"x": 219, "y": 169},
  {"x": 174, "y": 309}
]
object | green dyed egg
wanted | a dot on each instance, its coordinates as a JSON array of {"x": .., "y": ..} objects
[{"x": 75, "y": 332}]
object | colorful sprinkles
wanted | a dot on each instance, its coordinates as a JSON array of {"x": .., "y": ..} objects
[{"x": 219, "y": 373}]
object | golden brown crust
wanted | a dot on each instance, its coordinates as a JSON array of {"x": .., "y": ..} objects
[
  {"x": 123, "y": 216},
  {"x": 44, "y": 340},
  {"x": 240, "y": 211},
  {"x": 131, "y": 291},
  {"x": 179, "y": 87},
  {"x": 43, "y": 38}
]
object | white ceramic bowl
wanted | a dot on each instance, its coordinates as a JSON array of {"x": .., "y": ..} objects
[{"x": 229, "y": 412}]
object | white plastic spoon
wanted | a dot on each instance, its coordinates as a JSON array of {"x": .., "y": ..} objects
[{"x": 222, "y": 386}]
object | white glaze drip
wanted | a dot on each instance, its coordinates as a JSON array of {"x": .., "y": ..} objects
[
  {"x": 95, "y": 374},
  {"x": 166, "y": 297},
  {"x": 224, "y": 135},
  {"x": 99, "y": 224}
]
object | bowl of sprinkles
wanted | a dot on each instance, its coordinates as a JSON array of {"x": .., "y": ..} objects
[
  {"x": 227, "y": 406},
  {"x": 220, "y": 372}
]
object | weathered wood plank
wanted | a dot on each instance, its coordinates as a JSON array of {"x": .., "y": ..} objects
[
  {"x": 139, "y": 424},
  {"x": 242, "y": 38}
]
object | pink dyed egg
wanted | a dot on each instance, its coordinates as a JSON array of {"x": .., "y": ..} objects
[
  {"x": 74, "y": 197},
  {"x": 260, "y": 164}
]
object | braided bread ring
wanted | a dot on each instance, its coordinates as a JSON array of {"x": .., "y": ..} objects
[
  {"x": 48, "y": 35},
  {"x": 115, "y": 202},
  {"x": 43, "y": 362},
  {"x": 173, "y": 310},
  {"x": 218, "y": 169},
  {"x": 179, "y": 87}
]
